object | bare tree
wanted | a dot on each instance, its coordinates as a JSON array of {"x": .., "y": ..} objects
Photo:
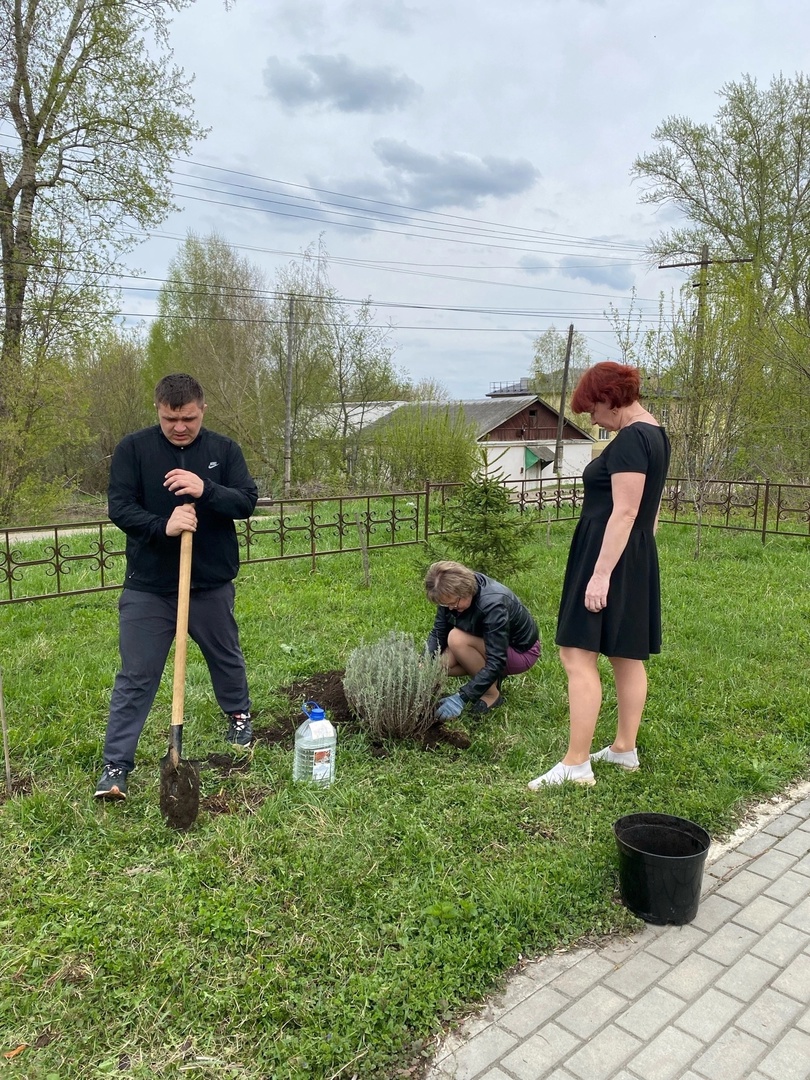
[{"x": 363, "y": 374}]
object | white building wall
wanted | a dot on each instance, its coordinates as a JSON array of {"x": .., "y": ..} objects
[{"x": 508, "y": 459}]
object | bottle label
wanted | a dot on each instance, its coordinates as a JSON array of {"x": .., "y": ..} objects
[
  {"x": 321, "y": 764},
  {"x": 320, "y": 729}
]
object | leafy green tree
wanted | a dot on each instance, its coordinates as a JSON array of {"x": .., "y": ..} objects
[
  {"x": 774, "y": 406},
  {"x": 41, "y": 437},
  {"x": 262, "y": 354},
  {"x": 288, "y": 370},
  {"x": 216, "y": 322},
  {"x": 740, "y": 185},
  {"x": 94, "y": 114},
  {"x": 725, "y": 387},
  {"x": 109, "y": 375},
  {"x": 96, "y": 119},
  {"x": 416, "y": 443},
  {"x": 548, "y": 363},
  {"x": 40, "y": 418},
  {"x": 694, "y": 373}
]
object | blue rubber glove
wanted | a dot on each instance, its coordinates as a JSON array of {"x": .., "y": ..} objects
[
  {"x": 432, "y": 646},
  {"x": 449, "y": 707}
]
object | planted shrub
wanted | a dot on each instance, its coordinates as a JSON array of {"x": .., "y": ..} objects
[{"x": 392, "y": 687}]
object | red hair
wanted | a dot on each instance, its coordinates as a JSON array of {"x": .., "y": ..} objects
[{"x": 617, "y": 385}]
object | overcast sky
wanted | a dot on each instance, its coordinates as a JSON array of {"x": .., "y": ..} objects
[{"x": 466, "y": 164}]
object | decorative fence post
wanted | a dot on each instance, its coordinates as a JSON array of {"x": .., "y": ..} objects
[{"x": 765, "y": 510}]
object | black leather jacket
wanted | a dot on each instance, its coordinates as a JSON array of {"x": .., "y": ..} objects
[{"x": 497, "y": 616}]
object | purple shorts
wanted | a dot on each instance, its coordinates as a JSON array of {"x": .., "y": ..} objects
[{"x": 518, "y": 662}]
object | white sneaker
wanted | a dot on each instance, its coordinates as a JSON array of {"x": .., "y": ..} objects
[
  {"x": 628, "y": 760},
  {"x": 576, "y": 774}
]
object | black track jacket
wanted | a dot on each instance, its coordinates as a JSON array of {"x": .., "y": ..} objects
[{"x": 140, "y": 506}]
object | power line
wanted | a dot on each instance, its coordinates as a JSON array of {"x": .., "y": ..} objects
[
  {"x": 399, "y": 206},
  {"x": 368, "y": 213},
  {"x": 394, "y": 267},
  {"x": 366, "y": 228},
  {"x": 454, "y": 226}
]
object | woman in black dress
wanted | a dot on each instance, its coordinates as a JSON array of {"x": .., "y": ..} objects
[{"x": 611, "y": 601}]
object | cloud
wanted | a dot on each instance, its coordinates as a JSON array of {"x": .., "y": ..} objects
[
  {"x": 394, "y": 15},
  {"x": 534, "y": 264},
  {"x": 336, "y": 82},
  {"x": 451, "y": 178},
  {"x": 618, "y": 276},
  {"x": 303, "y": 19}
]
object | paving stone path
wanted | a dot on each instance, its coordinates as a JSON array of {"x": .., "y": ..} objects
[{"x": 726, "y": 997}]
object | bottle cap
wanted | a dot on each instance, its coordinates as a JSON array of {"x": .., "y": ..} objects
[{"x": 313, "y": 710}]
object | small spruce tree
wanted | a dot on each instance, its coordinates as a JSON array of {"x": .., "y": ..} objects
[{"x": 485, "y": 531}]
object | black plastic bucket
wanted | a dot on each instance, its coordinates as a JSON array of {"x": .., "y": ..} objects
[{"x": 661, "y": 861}]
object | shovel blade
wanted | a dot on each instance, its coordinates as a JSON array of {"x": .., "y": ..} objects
[{"x": 179, "y": 792}]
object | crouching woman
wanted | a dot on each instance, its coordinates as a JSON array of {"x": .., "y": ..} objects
[{"x": 482, "y": 631}]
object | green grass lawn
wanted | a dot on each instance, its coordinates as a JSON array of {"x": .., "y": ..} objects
[{"x": 331, "y": 932}]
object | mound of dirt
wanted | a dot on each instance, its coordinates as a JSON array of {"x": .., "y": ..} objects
[
  {"x": 326, "y": 688},
  {"x": 20, "y": 785}
]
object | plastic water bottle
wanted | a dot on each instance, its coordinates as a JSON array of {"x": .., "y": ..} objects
[{"x": 315, "y": 747}]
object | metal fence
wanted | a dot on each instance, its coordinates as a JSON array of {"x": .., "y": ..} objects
[
  {"x": 46, "y": 561},
  {"x": 769, "y": 509},
  {"x": 759, "y": 506}
]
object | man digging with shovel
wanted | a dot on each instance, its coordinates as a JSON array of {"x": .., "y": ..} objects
[{"x": 165, "y": 480}]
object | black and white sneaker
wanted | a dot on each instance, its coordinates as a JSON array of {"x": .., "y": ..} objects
[
  {"x": 113, "y": 783},
  {"x": 240, "y": 729}
]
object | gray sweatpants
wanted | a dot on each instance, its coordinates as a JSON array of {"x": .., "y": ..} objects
[{"x": 147, "y": 624}]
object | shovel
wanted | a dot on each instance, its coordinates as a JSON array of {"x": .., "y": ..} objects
[{"x": 180, "y": 779}]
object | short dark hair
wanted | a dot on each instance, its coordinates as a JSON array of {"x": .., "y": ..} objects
[
  {"x": 616, "y": 385},
  {"x": 178, "y": 390}
]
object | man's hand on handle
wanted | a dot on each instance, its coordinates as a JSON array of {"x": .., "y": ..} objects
[{"x": 183, "y": 519}]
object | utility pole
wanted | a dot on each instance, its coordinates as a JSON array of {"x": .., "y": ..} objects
[
  {"x": 699, "y": 365},
  {"x": 561, "y": 414},
  {"x": 288, "y": 400},
  {"x": 700, "y": 324}
]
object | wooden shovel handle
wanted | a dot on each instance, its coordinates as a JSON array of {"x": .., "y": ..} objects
[{"x": 181, "y": 633}]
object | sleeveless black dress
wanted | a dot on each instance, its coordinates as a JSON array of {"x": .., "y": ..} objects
[{"x": 629, "y": 625}]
